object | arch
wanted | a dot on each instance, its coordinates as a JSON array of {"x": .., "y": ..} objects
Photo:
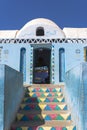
[
  {"x": 23, "y": 62},
  {"x": 40, "y": 31},
  {"x": 61, "y": 64}
]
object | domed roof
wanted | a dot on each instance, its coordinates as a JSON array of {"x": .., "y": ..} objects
[
  {"x": 51, "y": 30},
  {"x": 41, "y": 21}
]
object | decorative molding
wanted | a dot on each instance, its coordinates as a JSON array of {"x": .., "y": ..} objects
[
  {"x": 43, "y": 41},
  {"x": 53, "y": 65},
  {"x": 31, "y": 65}
]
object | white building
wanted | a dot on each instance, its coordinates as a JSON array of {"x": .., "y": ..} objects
[{"x": 42, "y": 51}]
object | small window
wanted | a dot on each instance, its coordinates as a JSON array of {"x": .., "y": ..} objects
[
  {"x": 40, "y": 31},
  {"x": 61, "y": 64},
  {"x": 23, "y": 62}
]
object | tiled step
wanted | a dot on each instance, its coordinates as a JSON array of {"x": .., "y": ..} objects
[
  {"x": 44, "y": 94},
  {"x": 41, "y": 125},
  {"x": 43, "y": 99},
  {"x": 38, "y": 89},
  {"x": 43, "y": 106},
  {"x": 43, "y": 116},
  {"x": 44, "y": 112}
]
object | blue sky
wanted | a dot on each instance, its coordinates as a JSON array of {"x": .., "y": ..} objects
[{"x": 65, "y": 13}]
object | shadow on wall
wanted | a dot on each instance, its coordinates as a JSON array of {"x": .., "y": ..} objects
[{"x": 11, "y": 94}]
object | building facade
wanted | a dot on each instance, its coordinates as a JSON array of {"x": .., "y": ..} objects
[{"x": 42, "y": 51}]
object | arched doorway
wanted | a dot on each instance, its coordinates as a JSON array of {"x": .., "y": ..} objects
[{"x": 41, "y": 65}]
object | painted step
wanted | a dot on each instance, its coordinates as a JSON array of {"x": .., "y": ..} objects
[
  {"x": 37, "y": 89},
  {"x": 45, "y": 128},
  {"x": 59, "y": 85},
  {"x": 45, "y": 116},
  {"x": 43, "y": 106},
  {"x": 44, "y": 94},
  {"x": 44, "y": 112},
  {"x": 43, "y": 99},
  {"x": 35, "y": 125}
]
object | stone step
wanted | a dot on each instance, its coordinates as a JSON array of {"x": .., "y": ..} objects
[
  {"x": 43, "y": 99},
  {"x": 43, "y": 116},
  {"x": 43, "y": 106},
  {"x": 41, "y": 125},
  {"x": 44, "y": 94}
]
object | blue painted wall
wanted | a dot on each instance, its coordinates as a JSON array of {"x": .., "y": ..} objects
[
  {"x": 1, "y": 97},
  {"x": 10, "y": 55},
  {"x": 11, "y": 87},
  {"x": 84, "y": 99},
  {"x": 72, "y": 58},
  {"x": 76, "y": 94}
]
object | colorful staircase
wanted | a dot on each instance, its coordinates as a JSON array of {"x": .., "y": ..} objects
[{"x": 43, "y": 108}]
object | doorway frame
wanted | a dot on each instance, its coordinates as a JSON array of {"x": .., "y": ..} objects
[{"x": 37, "y": 46}]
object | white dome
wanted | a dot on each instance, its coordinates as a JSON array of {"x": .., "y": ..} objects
[
  {"x": 41, "y": 21},
  {"x": 50, "y": 28}
]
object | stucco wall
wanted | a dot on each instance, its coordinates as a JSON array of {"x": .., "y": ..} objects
[
  {"x": 51, "y": 30},
  {"x": 1, "y": 97},
  {"x": 72, "y": 57},
  {"x": 84, "y": 79},
  {"x": 76, "y": 94},
  {"x": 10, "y": 55},
  {"x": 12, "y": 94}
]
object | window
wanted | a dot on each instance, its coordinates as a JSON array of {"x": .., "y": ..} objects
[
  {"x": 40, "y": 31},
  {"x": 61, "y": 64},
  {"x": 23, "y": 62}
]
